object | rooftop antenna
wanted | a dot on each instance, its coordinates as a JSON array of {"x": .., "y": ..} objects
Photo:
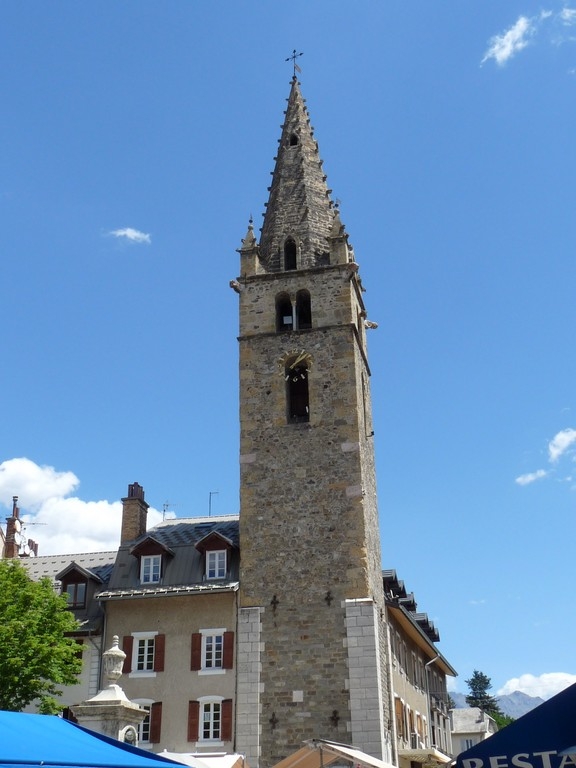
[
  {"x": 165, "y": 507},
  {"x": 293, "y": 60},
  {"x": 212, "y": 493}
]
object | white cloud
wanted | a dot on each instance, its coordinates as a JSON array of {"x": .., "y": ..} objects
[
  {"x": 22, "y": 477},
  {"x": 503, "y": 47},
  {"x": 133, "y": 235},
  {"x": 563, "y": 443},
  {"x": 568, "y": 16},
  {"x": 58, "y": 522},
  {"x": 545, "y": 685},
  {"x": 560, "y": 443},
  {"x": 531, "y": 477}
]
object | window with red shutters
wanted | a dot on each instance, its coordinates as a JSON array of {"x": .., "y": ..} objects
[
  {"x": 159, "y": 647},
  {"x": 193, "y": 720},
  {"x": 228, "y": 655},
  {"x": 196, "y": 652},
  {"x": 226, "y": 733},
  {"x": 155, "y": 722},
  {"x": 127, "y": 643}
]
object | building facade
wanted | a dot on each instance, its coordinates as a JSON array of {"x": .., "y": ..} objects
[
  {"x": 470, "y": 726},
  {"x": 419, "y": 674},
  {"x": 172, "y": 601}
]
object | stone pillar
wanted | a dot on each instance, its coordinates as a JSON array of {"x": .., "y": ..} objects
[{"x": 110, "y": 712}]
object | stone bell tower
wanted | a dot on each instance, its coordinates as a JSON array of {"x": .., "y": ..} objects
[{"x": 312, "y": 634}]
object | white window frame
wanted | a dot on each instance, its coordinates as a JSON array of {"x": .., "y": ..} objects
[
  {"x": 207, "y": 704},
  {"x": 143, "y": 728},
  {"x": 208, "y": 639},
  {"x": 213, "y": 563},
  {"x": 146, "y": 638},
  {"x": 150, "y": 566}
]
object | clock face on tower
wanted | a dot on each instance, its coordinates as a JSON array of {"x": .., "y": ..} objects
[{"x": 290, "y": 361}]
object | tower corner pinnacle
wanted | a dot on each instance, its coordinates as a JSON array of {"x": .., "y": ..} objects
[{"x": 249, "y": 252}]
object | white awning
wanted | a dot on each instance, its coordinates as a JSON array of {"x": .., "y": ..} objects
[
  {"x": 429, "y": 757},
  {"x": 206, "y": 760},
  {"x": 319, "y": 753}
]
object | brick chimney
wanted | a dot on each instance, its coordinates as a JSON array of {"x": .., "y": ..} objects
[
  {"x": 13, "y": 527},
  {"x": 134, "y": 512}
]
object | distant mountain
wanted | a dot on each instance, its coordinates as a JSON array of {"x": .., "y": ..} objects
[
  {"x": 513, "y": 704},
  {"x": 517, "y": 703}
]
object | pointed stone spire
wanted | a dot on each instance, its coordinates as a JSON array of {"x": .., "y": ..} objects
[{"x": 299, "y": 210}]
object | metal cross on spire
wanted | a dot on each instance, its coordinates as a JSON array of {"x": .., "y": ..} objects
[{"x": 293, "y": 60}]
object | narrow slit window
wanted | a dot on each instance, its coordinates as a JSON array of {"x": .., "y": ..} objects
[
  {"x": 284, "y": 319},
  {"x": 289, "y": 254},
  {"x": 303, "y": 310},
  {"x": 297, "y": 394}
]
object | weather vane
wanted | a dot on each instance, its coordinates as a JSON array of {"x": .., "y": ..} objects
[{"x": 293, "y": 59}]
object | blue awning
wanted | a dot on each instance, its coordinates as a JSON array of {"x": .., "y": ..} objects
[
  {"x": 542, "y": 738},
  {"x": 29, "y": 741}
]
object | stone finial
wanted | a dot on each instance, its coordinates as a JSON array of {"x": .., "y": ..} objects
[
  {"x": 248, "y": 252},
  {"x": 112, "y": 662},
  {"x": 338, "y": 229},
  {"x": 110, "y": 712},
  {"x": 338, "y": 238},
  {"x": 250, "y": 240}
]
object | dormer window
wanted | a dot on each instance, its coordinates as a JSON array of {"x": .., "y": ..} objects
[
  {"x": 215, "y": 549},
  {"x": 216, "y": 564},
  {"x": 150, "y": 569},
  {"x": 152, "y": 558},
  {"x": 76, "y": 593},
  {"x": 75, "y": 580},
  {"x": 293, "y": 140}
]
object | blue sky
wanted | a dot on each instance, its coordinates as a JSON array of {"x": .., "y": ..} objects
[{"x": 137, "y": 139}]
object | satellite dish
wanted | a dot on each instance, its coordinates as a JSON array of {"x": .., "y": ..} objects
[
  {"x": 26, "y": 549},
  {"x": 17, "y": 525},
  {"x": 32, "y": 553},
  {"x": 18, "y": 538}
]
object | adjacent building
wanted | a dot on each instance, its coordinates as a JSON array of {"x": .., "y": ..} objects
[
  {"x": 81, "y": 577},
  {"x": 172, "y": 600},
  {"x": 419, "y": 674},
  {"x": 470, "y": 726}
]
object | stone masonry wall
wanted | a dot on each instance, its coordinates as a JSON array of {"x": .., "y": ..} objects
[{"x": 308, "y": 520}]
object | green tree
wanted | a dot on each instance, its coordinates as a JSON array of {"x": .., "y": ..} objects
[
  {"x": 37, "y": 653},
  {"x": 502, "y": 720},
  {"x": 479, "y": 685}
]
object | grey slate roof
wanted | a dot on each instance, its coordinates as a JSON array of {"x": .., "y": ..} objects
[
  {"x": 48, "y": 566},
  {"x": 190, "y": 530},
  {"x": 183, "y": 566},
  {"x": 91, "y": 564}
]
